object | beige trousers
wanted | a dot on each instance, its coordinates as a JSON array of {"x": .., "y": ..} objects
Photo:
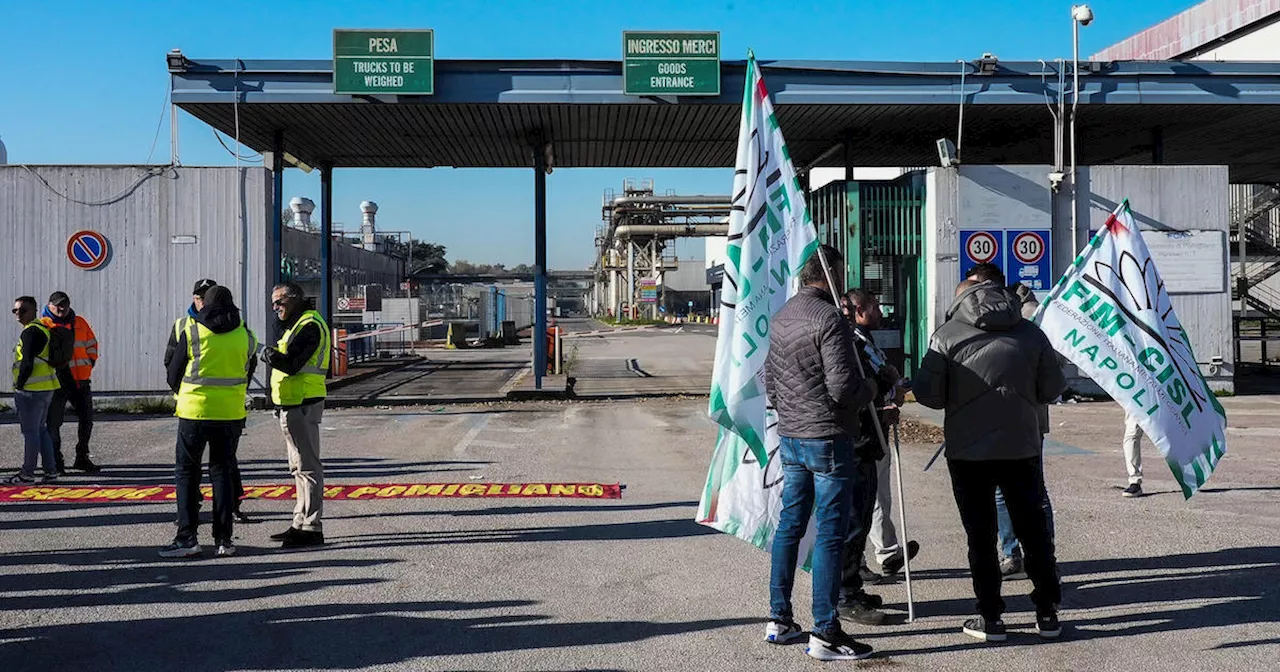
[{"x": 301, "y": 427}]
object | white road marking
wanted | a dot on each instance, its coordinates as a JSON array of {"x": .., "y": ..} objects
[{"x": 467, "y": 439}]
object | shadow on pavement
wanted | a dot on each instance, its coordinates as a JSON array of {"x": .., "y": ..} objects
[
  {"x": 1240, "y": 583},
  {"x": 627, "y": 531},
  {"x": 320, "y": 636}
]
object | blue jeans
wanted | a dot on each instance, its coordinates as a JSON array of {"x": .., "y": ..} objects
[
  {"x": 37, "y": 442},
  {"x": 816, "y": 479},
  {"x": 1009, "y": 546}
]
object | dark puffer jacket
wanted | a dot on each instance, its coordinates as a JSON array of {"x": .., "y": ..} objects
[
  {"x": 990, "y": 370},
  {"x": 810, "y": 374}
]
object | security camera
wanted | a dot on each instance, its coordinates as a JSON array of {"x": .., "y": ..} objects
[
  {"x": 1083, "y": 14},
  {"x": 1055, "y": 180},
  {"x": 947, "y": 153}
]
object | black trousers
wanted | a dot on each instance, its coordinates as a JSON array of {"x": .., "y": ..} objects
[
  {"x": 864, "y": 484},
  {"x": 974, "y": 484},
  {"x": 80, "y": 396},
  {"x": 222, "y": 437}
]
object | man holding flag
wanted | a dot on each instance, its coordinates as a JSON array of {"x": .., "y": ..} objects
[
  {"x": 814, "y": 384},
  {"x": 771, "y": 237}
]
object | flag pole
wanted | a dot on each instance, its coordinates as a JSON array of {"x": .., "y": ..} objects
[{"x": 902, "y": 519}]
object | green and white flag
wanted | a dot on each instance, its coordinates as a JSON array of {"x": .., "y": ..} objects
[
  {"x": 1111, "y": 316},
  {"x": 770, "y": 238}
]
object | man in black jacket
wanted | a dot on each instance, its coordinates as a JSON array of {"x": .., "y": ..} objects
[
  {"x": 991, "y": 370},
  {"x": 812, "y": 382}
]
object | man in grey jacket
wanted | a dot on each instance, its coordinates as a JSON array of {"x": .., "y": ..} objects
[
  {"x": 990, "y": 370},
  {"x": 812, "y": 381}
]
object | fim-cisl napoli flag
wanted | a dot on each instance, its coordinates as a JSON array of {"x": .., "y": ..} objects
[
  {"x": 770, "y": 238},
  {"x": 1110, "y": 314}
]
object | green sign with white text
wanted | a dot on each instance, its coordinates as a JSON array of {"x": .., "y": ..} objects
[
  {"x": 384, "y": 62},
  {"x": 671, "y": 64}
]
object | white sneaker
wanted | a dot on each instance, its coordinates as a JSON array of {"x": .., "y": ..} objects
[
  {"x": 226, "y": 548},
  {"x": 780, "y": 632},
  {"x": 837, "y": 646}
]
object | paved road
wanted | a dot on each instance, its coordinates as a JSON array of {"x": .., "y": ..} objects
[
  {"x": 664, "y": 361},
  {"x": 1151, "y": 584}
]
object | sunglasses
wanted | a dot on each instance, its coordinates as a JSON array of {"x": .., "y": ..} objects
[{"x": 17, "y": 311}]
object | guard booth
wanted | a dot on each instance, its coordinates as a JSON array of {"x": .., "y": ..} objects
[{"x": 878, "y": 226}]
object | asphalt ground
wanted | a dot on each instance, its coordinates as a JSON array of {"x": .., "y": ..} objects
[{"x": 1154, "y": 583}]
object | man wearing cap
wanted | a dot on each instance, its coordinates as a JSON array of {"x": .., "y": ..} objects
[
  {"x": 73, "y": 379},
  {"x": 173, "y": 350}
]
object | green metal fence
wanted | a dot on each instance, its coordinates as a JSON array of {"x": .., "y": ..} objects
[{"x": 878, "y": 226}]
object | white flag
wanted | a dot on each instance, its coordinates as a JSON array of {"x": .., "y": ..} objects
[
  {"x": 770, "y": 238},
  {"x": 1111, "y": 316}
]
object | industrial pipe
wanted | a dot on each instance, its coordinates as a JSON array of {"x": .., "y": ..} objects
[{"x": 675, "y": 230}]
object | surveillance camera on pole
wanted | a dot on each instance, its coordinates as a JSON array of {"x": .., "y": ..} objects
[{"x": 1083, "y": 14}]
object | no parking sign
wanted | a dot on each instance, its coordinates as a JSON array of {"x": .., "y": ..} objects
[
  {"x": 87, "y": 250},
  {"x": 1030, "y": 258},
  {"x": 981, "y": 247}
]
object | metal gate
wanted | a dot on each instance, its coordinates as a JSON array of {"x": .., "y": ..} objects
[{"x": 878, "y": 226}]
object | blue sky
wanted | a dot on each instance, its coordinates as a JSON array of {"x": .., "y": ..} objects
[{"x": 85, "y": 82}]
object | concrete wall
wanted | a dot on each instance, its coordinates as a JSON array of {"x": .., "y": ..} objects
[
  {"x": 1163, "y": 199},
  {"x": 166, "y": 228}
]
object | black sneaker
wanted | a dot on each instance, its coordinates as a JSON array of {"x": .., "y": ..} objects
[
  {"x": 302, "y": 539},
  {"x": 281, "y": 536},
  {"x": 1048, "y": 626},
  {"x": 836, "y": 646},
  {"x": 873, "y": 601},
  {"x": 86, "y": 465},
  {"x": 860, "y": 613},
  {"x": 243, "y": 518},
  {"x": 782, "y": 632},
  {"x": 1134, "y": 490},
  {"x": 181, "y": 548},
  {"x": 893, "y": 565},
  {"x": 869, "y": 577},
  {"x": 1011, "y": 568},
  {"x": 987, "y": 631},
  {"x": 226, "y": 548},
  {"x": 21, "y": 479}
]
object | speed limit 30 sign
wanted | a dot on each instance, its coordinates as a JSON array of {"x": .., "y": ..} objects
[
  {"x": 981, "y": 247},
  {"x": 1030, "y": 258}
]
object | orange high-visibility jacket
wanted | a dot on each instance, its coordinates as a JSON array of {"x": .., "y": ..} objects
[{"x": 85, "y": 354}]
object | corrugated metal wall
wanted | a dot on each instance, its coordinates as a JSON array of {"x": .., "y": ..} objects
[
  {"x": 1190, "y": 30},
  {"x": 148, "y": 215}
]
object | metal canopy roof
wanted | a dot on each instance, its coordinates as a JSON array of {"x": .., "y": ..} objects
[{"x": 487, "y": 113}]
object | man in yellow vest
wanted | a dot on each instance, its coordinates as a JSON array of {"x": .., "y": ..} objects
[
  {"x": 209, "y": 372},
  {"x": 299, "y": 364},
  {"x": 34, "y": 382},
  {"x": 171, "y": 350}
]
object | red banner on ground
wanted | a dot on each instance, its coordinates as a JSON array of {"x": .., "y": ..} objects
[{"x": 161, "y": 493}]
